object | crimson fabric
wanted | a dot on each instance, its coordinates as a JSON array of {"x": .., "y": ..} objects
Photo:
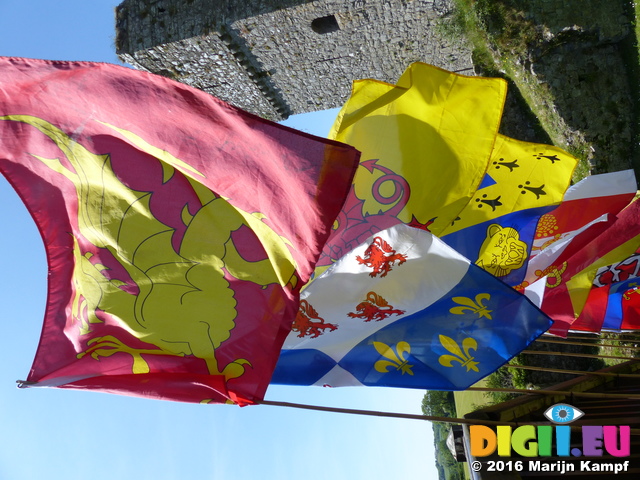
[
  {"x": 178, "y": 229},
  {"x": 585, "y": 310}
]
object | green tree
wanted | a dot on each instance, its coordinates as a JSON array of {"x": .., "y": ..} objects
[{"x": 437, "y": 403}]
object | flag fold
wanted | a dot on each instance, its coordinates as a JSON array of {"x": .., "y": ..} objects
[
  {"x": 425, "y": 145},
  {"x": 178, "y": 229},
  {"x": 405, "y": 310}
]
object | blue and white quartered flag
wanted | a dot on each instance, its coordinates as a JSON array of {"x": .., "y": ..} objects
[{"x": 405, "y": 310}]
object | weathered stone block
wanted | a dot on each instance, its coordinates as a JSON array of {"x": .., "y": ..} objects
[{"x": 278, "y": 57}]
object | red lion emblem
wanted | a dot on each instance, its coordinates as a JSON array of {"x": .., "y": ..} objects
[
  {"x": 309, "y": 323},
  {"x": 380, "y": 256},
  {"x": 374, "y": 308}
]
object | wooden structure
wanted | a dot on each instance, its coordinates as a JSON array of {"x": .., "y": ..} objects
[{"x": 610, "y": 396}]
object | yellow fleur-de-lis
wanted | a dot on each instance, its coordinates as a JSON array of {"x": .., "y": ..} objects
[
  {"x": 396, "y": 359},
  {"x": 465, "y": 359},
  {"x": 476, "y": 307}
]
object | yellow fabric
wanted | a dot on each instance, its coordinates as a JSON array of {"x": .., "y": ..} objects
[
  {"x": 434, "y": 128},
  {"x": 114, "y": 217},
  {"x": 527, "y": 175}
]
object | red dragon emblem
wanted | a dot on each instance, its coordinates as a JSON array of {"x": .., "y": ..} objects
[
  {"x": 380, "y": 256},
  {"x": 374, "y": 308},
  {"x": 309, "y": 323}
]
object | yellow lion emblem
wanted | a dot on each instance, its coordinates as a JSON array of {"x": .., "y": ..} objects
[{"x": 502, "y": 251}]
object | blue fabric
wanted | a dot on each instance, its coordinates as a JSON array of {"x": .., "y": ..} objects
[
  {"x": 506, "y": 325},
  {"x": 469, "y": 240}
]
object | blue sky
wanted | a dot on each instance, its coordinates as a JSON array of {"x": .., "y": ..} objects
[{"x": 60, "y": 434}]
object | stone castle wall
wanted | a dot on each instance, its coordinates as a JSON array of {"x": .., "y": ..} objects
[{"x": 281, "y": 57}]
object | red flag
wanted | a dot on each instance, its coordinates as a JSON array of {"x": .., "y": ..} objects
[
  {"x": 588, "y": 209},
  {"x": 579, "y": 278},
  {"x": 611, "y": 303},
  {"x": 178, "y": 229}
]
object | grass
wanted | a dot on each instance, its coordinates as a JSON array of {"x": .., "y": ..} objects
[
  {"x": 635, "y": 74},
  {"x": 625, "y": 346},
  {"x": 468, "y": 401},
  {"x": 502, "y": 38}
]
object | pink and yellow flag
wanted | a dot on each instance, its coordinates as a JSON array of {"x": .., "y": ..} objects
[{"x": 178, "y": 229}]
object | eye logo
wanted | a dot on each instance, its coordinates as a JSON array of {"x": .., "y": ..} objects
[{"x": 563, "y": 413}]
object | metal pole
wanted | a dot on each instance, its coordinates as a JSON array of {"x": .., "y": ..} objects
[
  {"x": 567, "y": 354},
  {"x": 573, "y": 372},
  {"x": 583, "y": 344},
  {"x": 374, "y": 413},
  {"x": 556, "y": 392}
]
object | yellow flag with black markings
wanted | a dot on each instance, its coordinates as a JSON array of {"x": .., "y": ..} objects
[
  {"x": 425, "y": 142},
  {"x": 520, "y": 175}
]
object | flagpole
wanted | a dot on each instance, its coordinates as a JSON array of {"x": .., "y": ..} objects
[
  {"x": 583, "y": 355},
  {"x": 555, "y": 392},
  {"x": 627, "y": 336},
  {"x": 573, "y": 372},
  {"x": 582, "y": 335},
  {"x": 449, "y": 420},
  {"x": 374, "y": 413},
  {"x": 583, "y": 344}
]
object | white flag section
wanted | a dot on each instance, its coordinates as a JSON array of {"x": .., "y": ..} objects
[
  {"x": 405, "y": 310},
  {"x": 591, "y": 203}
]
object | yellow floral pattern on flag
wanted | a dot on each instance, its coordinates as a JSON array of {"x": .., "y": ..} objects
[
  {"x": 463, "y": 358},
  {"x": 395, "y": 359}
]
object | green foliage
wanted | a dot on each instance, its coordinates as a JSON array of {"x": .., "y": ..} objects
[
  {"x": 464, "y": 22},
  {"x": 501, "y": 37},
  {"x": 507, "y": 25},
  {"x": 492, "y": 27},
  {"x": 501, "y": 378},
  {"x": 436, "y": 403},
  {"x": 624, "y": 346},
  {"x": 448, "y": 467},
  {"x": 519, "y": 378}
]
